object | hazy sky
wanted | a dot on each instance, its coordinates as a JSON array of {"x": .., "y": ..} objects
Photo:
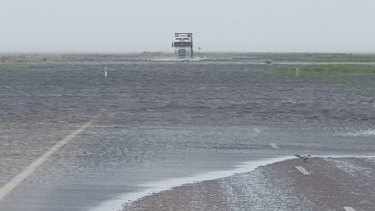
[{"x": 218, "y": 25}]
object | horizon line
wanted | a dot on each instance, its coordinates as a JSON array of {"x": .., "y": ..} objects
[{"x": 169, "y": 52}]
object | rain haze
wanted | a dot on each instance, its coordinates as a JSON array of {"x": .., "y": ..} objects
[
  {"x": 218, "y": 25},
  {"x": 156, "y": 105}
]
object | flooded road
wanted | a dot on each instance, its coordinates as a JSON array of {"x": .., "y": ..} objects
[{"x": 156, "y": 120}]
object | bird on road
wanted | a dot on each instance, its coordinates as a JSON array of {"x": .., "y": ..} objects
[{"x": 303, "y": 157}]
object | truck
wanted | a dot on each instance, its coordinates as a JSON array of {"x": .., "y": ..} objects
[{"x": 183, "y": 45}]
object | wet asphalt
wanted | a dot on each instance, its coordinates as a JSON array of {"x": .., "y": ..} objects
[{"x": 165, "y": 119}]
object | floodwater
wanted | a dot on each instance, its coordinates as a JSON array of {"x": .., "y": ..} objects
[{"x": 158, "y": 118}]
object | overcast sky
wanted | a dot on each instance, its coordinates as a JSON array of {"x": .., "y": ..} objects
[{"x": 218, "y": 25}]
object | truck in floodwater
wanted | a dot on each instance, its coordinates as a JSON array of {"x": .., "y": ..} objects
[{"x": 183, "y": 45}]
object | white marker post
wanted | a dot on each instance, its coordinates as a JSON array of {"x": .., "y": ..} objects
[
  {"x": 297, "y": 71},
  {"x": 105, "y": 72}
]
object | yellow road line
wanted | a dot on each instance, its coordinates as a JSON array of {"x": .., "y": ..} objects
[
  {"x": 302, "y": 170},
  {"x": 15, "y": 181},
  {"x": 273, "y": 145}
]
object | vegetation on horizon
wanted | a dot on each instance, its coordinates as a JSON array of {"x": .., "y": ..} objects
[{"x": 340, "y": 68}]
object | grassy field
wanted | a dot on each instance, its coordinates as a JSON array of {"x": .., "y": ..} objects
[
  {"x": 326, "y": 69},
  {"x": 350, "y": 75},
  {"x": 339, "y": 68}
]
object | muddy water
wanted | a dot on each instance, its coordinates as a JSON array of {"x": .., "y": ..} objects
[{"x": 165, "y": 119}]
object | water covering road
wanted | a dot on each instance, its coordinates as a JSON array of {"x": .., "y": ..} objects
[{"x": 163, "y": 119}]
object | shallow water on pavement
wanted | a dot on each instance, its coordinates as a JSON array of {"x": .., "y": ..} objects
[{"x": 165, "y": 119}]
